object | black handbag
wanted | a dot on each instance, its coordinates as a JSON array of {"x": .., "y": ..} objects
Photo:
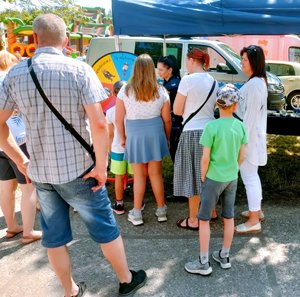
[{"x": 66, "y": 124}]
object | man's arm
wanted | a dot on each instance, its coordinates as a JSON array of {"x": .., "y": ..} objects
[
  {"x": 9, "y": 145},
  {"x": 205, "y": 162},
  {"x": 99, "y": 133}
]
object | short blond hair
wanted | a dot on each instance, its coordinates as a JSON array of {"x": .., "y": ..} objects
[
  {"x": 7, "y": 60},
  {"x": 50, "y": 29}
]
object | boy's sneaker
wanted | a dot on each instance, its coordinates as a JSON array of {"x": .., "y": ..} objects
[
  {"x": 135, "y": 219},
  {"x": 161, "y": 214},
  {"x": 118, "y": 208},
  {"x": 138, "y": 280},
  {"x": 196, "y": 267},
  {"x": 224, "y": 262}
]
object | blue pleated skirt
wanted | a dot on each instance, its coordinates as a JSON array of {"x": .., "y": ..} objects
[{"x": 145, "y": 141}]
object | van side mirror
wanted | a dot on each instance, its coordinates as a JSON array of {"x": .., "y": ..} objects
[{"x": 222, "y": 67}]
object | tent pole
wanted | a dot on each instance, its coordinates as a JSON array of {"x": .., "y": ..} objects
[
  {"x": 164, "y": 46},
  {"x": 117, "y": 43}
]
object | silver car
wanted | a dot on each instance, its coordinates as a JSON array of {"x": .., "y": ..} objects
[{"x": 289, "y": 74}]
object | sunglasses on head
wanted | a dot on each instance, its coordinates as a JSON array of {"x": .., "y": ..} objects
[{"x": 251, "y": 48}]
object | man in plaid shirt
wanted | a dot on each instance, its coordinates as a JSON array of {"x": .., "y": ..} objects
[{"x": 57, "y": 160}]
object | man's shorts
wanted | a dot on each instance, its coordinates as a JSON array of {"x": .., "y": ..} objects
[
  {"x": 93, "y": 207},
  {"x": 211, "y": 192},
  {"x": 118, "y": 165},
  {"x": 9, "y": 170}
]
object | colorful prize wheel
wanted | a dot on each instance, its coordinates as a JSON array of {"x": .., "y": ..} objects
[{"x": 112, "y": 68}]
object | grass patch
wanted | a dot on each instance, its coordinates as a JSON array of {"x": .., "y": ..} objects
[{"x": 280, "y": 177}]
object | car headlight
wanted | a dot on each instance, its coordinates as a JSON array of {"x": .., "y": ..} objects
[{"x": 275, "y": 88}]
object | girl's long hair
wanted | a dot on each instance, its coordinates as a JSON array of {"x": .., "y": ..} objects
[{"x": 143, "y": 81}]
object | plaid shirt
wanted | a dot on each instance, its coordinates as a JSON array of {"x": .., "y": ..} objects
[{"x": 56, "y": 157}]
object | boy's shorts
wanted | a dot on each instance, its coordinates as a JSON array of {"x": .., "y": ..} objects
[
  {"x": 9, "y": 169},
  {"x": 211, "y": 192},
  {"x": 118, "y": 165}
]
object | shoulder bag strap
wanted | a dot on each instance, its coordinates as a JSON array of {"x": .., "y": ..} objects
[
  {"x": 195, "y": 112},
  {"x": 67, "y": 125}
]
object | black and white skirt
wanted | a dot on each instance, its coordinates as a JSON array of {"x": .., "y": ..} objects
[{"x": 187, "y": 170}]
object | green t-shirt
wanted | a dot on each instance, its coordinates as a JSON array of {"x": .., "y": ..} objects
[{"x": 224, "y": 137}]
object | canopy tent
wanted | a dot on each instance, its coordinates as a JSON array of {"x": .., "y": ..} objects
[{"x": 205, "y": 17}]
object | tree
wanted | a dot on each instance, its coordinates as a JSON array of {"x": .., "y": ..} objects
[{"x": 27, "y": 10}]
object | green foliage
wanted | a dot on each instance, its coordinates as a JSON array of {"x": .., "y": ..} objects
[{"x": 66, "y": 9}]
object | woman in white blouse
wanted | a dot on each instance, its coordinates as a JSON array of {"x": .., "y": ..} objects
[
  {"x": 192, "y": 93},
  {"x": 146, "y": 106},
  {"x": 253, "y": 111}
]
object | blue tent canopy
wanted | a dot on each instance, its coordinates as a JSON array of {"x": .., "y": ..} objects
[{"x": 205, "y": 17}]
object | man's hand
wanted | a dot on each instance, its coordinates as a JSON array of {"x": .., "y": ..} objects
[
  {"x": 23, "y": 169},
  {"x": 98, "y": 174}
]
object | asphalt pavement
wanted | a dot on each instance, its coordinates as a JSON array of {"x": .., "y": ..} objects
[{"x": 265, "y": 264}]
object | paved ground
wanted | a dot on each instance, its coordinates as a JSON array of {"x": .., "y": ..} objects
[{"x": 263, "y": 265}]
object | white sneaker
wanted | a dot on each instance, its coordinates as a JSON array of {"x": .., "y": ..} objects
[
  {"x": 161, "y": 214},
  {"x": 135, "y": 219}
]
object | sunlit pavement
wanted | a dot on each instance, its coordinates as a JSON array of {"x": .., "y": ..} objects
[{"x": 266, "y": 264}]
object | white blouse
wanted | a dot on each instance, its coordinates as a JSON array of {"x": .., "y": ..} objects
[
  {"x": 195, "y": 87},
  {"x": 140, "y": 110},
  {"x": 253, "y": 110}
]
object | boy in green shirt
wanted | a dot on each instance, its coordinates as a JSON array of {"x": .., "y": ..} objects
[{"x": 223, "y": 143}]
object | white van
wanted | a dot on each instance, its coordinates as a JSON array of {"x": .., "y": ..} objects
[{"x": 224, "y": 62}]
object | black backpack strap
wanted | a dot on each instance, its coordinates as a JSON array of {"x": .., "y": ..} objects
[
  {"x": 195, "y": 112},
  {"x": 67, "y": 125}
]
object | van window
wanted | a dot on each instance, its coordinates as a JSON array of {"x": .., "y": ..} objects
[
  {"x": 294, "y": 54},
  {"x": 175, "y": 49},
  {"x": 154, "y": 49},
  {"x": 215, "y": 57}
]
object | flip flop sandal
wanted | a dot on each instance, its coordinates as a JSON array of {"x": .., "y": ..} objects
[
  {"x": 30, "y": 239},
  {"x": 12, "y": 234},
  {"x": 178, "y": 223},
  {"x": 82, "y": 288}
]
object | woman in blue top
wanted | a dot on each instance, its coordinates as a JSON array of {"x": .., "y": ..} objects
[{"x": 168, "y": 70}]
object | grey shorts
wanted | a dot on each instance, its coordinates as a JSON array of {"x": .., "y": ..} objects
[
  {"x": 9, "y": 170},
  {"x": 211, "y": 192}
]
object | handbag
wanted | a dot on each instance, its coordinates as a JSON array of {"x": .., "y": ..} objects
[
  {"x": 65, "y": 123},
  {"x": 195, "y": 112}
]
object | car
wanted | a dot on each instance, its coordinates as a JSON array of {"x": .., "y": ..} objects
[{"x": 289, "y": 74}]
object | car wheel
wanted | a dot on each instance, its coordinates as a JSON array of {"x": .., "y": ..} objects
[{"x": 293, "y": 100}]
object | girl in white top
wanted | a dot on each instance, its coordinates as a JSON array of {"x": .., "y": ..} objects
[
  {"x": 192, "y": 92},
  {"x": 253, "y": 111},
  {"x": 148, "y": 126}
]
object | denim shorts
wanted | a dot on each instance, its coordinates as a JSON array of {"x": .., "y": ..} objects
[
  {"x": 93, "y": 207},
  {"x": 211, "y": 192}
]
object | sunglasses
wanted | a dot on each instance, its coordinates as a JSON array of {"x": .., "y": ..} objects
[{"x": 252, "y": 48}]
